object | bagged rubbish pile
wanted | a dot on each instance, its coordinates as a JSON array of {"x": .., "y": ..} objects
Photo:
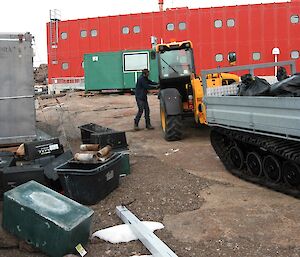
[
  {"x": 255, "y": 86},
  {"x": 287, "y": 87}
]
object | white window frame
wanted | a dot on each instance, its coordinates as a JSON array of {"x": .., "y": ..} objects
[
  {"x": 294, "y": 19},
  {"x": 230, "y": 23},
  {"x": 63, "y": 66},
  {"x": 219, "y": 55},
  {"x": 92, "y": 33},
  {"x": 216, "y": 22},
  {"x": 254, "y": 54},
  {"x": 64, "y": 37},
  {"x": 136, "y": 31},
  {"x": 170, "y": 24},
  {"x": 124, "y": 29},
  {"x": 295, "y": 52},
  {"x": 136, "y": 69},
  {"x": 182, "y": 23},
  {"x": 83, "y": 33}
]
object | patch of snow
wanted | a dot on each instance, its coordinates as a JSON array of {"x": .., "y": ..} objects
[{"x": 123, "y": 233}]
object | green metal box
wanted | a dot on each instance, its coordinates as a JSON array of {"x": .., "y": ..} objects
[
  {"x": 46, "y": 219},
  {"x": 117, "y": 70}
]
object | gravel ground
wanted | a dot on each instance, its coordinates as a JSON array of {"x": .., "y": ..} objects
[{"x": 205, "y": 210}]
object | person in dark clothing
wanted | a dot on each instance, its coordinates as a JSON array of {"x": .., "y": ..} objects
[{"x": 142, "y": 86}]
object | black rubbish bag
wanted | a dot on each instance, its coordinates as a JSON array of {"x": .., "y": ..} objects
[
  {"x": 287, "y": 87},
  {"x": 253, "y": 86},
  {"x": 281, "y": 74}
]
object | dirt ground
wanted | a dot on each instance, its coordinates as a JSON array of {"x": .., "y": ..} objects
[{"x": 206, "y": 211}]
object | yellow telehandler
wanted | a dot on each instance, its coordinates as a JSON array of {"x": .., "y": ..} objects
[{"x": 181, "y": 90}]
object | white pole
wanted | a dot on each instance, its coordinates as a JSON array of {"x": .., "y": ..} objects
[{"x": 276, "y": 59}]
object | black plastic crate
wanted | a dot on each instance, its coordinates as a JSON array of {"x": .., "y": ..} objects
[
  {"x": 117, "y": 140},
  {"x": 39, "y": 149},
  {"x": 5, "y": 161},
  {"x": 89, "y": 183},
  {"x": 49, "y": 170},
  {"x": 16, "y": 175},
  {"x": 88, "y": 129},
  {"x": 94, "y": 134}
]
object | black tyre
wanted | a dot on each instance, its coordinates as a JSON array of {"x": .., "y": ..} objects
[
  {"x": 254, "y": 164},
  {"x": 291, "y": 173},
  {"x": 272, "y": 169},
  {"x": 236, "y": 156}
]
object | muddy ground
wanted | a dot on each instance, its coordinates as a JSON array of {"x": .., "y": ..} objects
[{"x": 206, "y": 211}]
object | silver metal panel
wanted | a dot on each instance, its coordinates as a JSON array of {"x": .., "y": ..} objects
[
  {"x": 17, "y": 109},
  {"x": 273, "y": 115},
  {"x": 17, "y": 121},
  {"x": 149, "y": 239},
  {"x": 16, "y": 76}
]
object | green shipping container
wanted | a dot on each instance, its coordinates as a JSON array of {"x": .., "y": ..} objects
[
  {"x": 46, "y": 219},
  {"x": 117, "y": 70}
]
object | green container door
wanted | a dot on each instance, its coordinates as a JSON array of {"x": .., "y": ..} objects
[
  {"x": 117, "y": 70},
  {"x": 102, "y": 71},
  {"x": 46, "y": 219}
]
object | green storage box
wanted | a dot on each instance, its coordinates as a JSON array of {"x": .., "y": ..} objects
[
  {"x": 46, "y": 219},
  {"x": 125, "y": 165}
]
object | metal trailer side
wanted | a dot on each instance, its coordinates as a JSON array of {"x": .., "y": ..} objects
[
  {"x": 276, "y": 116},
  {"x": 17, "y": 109}
]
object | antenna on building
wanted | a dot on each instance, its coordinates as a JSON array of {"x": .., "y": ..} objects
[
  {"x": 55, "y": 16},
  {"x": 161, "y": 5}
]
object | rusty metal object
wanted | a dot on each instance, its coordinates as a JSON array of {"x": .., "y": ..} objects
[
  {"x": 21, "y": 150},
  {"x": 85, "y": 157},
  {"x": 89, "y": 147},
  {"x": 104, "y": 151}
]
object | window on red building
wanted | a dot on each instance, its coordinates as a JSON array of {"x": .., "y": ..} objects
[
  {"x": 182, "y": 26},
  {"x": 295, "y": 19},
  {"x": 256, "y": 56},
  {"x": 125, "y": 30},
  {"x": 219, "y": 57},
  {"x": 64, "y": 35},
  {"x": 65, "y": 66},
  {"x": 83, "y": 33},
  {"x": 230, "y": 23},
  {"x": 218, "y": 24},
  {"x": 94, "y": 33},
  {"x": 136, "y": 29},
  {"x": 295, "y": 54},
  {"x": 170, "y": 27}
]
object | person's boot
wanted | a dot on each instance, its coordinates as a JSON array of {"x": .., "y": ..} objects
[
  {"x": 136, "y": 126},
  {"x": 149, "y": 126}
]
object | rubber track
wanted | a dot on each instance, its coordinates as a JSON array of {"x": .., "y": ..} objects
[{"x": 285, "y": 149}]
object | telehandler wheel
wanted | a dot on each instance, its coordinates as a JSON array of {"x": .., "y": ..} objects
[{"x": 171, "y": 125}]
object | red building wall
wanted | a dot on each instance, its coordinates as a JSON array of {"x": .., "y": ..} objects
[{"x": 257, "y": 28}]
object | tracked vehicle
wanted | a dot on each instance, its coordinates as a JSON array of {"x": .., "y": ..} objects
[{"x": 257, "y": 137}]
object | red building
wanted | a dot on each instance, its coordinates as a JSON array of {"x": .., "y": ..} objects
[{"x": 251, "y": 31}]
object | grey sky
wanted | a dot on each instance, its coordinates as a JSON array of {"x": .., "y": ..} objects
[{"x": 32, "y": 15}]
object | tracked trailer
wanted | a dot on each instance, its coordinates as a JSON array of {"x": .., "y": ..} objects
[{"x": 257, "y": 137}]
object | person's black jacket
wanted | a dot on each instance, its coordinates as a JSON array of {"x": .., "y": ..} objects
[{"x": 142, "y": 86}]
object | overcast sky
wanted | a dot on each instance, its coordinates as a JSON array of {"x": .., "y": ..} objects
[{"x": 32, "y": 15}]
